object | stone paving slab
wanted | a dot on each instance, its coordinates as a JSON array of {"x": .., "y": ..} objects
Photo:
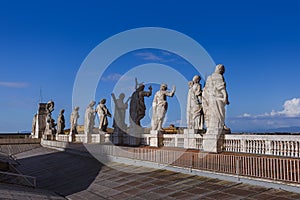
[
  {"x": 8, "y": 191},
  {"x": 77, "y": 177}
]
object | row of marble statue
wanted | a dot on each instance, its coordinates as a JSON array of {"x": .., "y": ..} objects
[{"x": 204, "y": 106}]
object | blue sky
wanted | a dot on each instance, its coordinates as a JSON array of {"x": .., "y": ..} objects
[{"x": 43, "y": 44}]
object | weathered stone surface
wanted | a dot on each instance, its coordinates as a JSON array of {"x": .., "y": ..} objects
[
  {"x": 78, "y": 177},
  {"x": 160, "y": 106}
]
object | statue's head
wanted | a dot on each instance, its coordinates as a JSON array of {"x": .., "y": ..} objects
[
  {"x": 190, "y": 83},
  {"x": 122, "y": 96},
  {"x": 163, "y": 86},
  {"x": 50, "y": 106},
  {"x": 62, "y": 111},
  {"x": 103, "y": 101},
  {"x": 196, "y": 79},
  {"x": 76, "y": 108},
  {"x": 220, "y": 69},
  {"x": 141, "y": 87},
  {"x": 92, "y": 103}
]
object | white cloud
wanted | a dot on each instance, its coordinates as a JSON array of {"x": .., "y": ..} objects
[
  {"x": 149, "y": 56},
  {"x": 245, "y": 115},
  {"x": 166, "y": 53},
  {"x": 161, "y": 56},
  {"x": 112, "y": 77},
  {"x": 291, "y": 108},
  {"x": 14, "y": 84},
  {"x": 288, "y": 117}
]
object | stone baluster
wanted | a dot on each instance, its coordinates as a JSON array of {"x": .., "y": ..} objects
[
  {"x": 243, "y": 146},
  {"x": 282, "y": 148},
  {"x": 286, "y": 150},
  {"x": 292, "y": 151},
  {"x": 251, "y": 147},
  {"x": 278, "y": 148},
  {"x": 236, "y": 146},
  {"x": 297, "y": 149},
  {"x": 263, "y": 150},
  {"x": 248, "y": 146},
  {"x": 291, "y": 147},
  {"x": 269, "y": 147},
  {"x": 255, "y": 146}
]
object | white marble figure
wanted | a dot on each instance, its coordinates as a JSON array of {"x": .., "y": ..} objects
[
  {"x": 195, "y": 118},
  {"x": 50, "y": 122},
  {"x": 34, "y": 124},
  {"x": 188, "y": 107},
  {"x": 89, "y": 118},
  {"x": 215, "y": 98},
  {"x": 160, "y": 106},
  {"x": 73, "y": 120},
  {"x": 61, "y": 122},
  {"x": 119, "y": 114},
  {"x": 103, "y": 113},
  {"x": 137, "y": 108}
]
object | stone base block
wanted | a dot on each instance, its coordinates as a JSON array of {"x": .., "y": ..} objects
[
  {"x": 72, "y": 137},
  {"x": 118, "y": 137},
  {"x": 156, "y": 138},
  {"x": 88, "y": 138},
  {"x": 134, "y": 141},
  {"x": 190, "y": 138},
  {"x": 213, "y": 142},
  {"x": 134, "y": 136}
]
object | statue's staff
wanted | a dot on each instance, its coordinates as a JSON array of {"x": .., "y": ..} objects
[{"x": 126, "y": 102}]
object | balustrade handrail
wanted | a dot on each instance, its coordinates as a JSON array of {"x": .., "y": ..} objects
[{"x": 271, "y": 168}]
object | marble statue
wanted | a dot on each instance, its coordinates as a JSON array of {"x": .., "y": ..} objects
[
  {"x": 215, "y": 98},
  {"x": 103, "y": 113},
  {"x": 160, "y": 106},
  {"x": 61, "y": 122},
  {"x": 188, "y": 107},
  {"x": 50, "y": 123},
  {"x": 89, "y": 118},
  {"x": 137, "y": 108},
  {"x": 119, "y": 114},
  {"x": 195, "y": 116},
  {"x": 33, "y": 126},
  {"x": 73, "y": 120},
  {"x": 49, "y": 109},
  {"x": 52, "y": 126}
]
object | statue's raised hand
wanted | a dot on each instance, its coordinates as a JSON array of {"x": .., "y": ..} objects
[{"x": 174, "y": 87}]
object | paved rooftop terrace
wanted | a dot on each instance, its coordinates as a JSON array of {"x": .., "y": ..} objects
[{"x": 60, "y": 174}]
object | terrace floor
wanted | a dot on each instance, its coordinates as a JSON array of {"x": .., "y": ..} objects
[{"x": 61, "y": 174}]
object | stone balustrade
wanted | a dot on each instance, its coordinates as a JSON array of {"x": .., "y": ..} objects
[
  {"x": 91, "y": 138},
  {"x": 277, "y": 145}
]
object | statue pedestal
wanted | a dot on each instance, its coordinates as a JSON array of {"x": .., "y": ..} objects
[
  {"x": 48, "y": 134},
  {"x": 134, "y": 136},
  {"x": 72, "y": 137},
  {"x": 103, "y": 137},
  {"x": 189, "y": 138},
  {"x": 88, "y": 138},
  {"x": 118, "y": 137},
  {"x": 213, "y": 140},
  {"x": 156, "y": 138},
  {"x": 40, "y": 121}
]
